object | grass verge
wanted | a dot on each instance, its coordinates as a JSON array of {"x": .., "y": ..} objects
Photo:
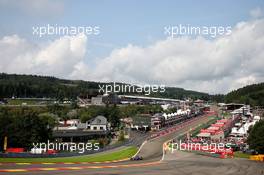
[
  {"x": 241, "y": 155},
  {"x": 100, "y": 157}
]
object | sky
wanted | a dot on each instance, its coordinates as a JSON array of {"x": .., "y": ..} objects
[{"x": 132, "y": 45}]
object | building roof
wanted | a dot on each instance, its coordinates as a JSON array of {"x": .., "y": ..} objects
[
  {"x": 213, "y": 128},
  {"x": 198, "y": 101},
  {"x": 81, "y": 125},
  {"x": 141, "y": 120},
  {"x": 204, "y": 134},
  {"x": 149, "y": 98},
  {"x": 99, "y": 120}
]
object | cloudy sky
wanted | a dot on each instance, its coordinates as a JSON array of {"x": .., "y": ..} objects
[{"x": 132, "y": 46}]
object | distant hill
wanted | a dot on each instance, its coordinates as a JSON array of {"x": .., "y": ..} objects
[
  {"x": 43, "y": 86},
  {"x": 180, "y": 93},
  {"x": 251, "y": 94},
  {"x": 51, "y": 87}
]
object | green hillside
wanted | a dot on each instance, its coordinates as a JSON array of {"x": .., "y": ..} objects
[
  {"x": 251, "y": 94},
  {"x": 33, "y": 86}
]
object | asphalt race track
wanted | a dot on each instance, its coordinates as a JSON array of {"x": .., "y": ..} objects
[{"x": 173, "y": 163}]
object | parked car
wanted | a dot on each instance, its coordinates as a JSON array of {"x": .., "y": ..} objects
[{"x": 250, "y": 151}]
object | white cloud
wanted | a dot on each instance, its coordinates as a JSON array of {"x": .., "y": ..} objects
[
  {"x": 214, "y": 66},
  {"x": 58, "y": 58}
]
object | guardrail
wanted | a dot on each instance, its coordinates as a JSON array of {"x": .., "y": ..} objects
[{"x": 65, "y": 154}]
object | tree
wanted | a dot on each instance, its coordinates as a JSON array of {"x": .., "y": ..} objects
[
  {"x": 113, "y": 116},
  {"x": 60, "y": 111},
  {"x": 121, "y": 136},
  {"x": 256, "y": 137},
  {"x": 24, "y": 127}
]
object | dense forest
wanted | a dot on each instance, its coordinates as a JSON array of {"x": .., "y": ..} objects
[
  {"x": 50, "y": 87},
  {"x": 43, "y": 86},
  {"x": 251, "y": 94},
  {"x": 24, "y": 126}
]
